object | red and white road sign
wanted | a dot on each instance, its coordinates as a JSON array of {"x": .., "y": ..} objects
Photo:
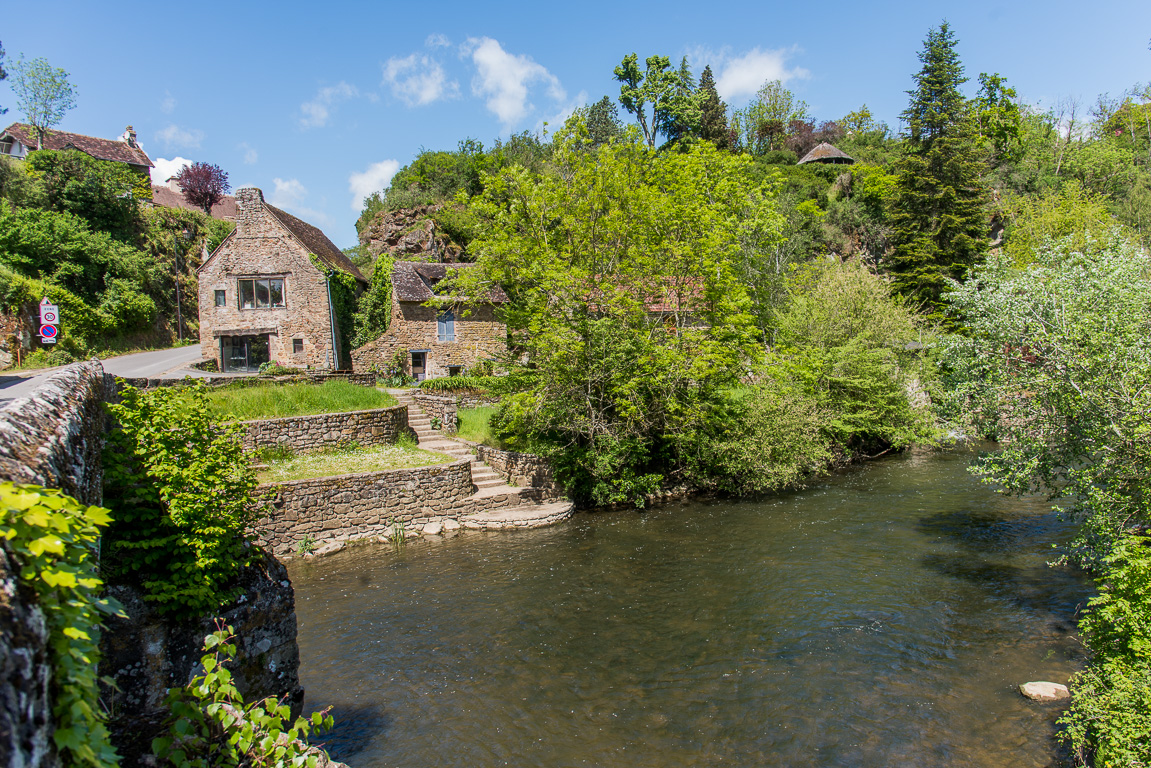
[
  {"x": 48, "y": 334},
  {"x": 49, "y": 313}
]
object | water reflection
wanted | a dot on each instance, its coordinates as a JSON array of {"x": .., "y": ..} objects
[{"x": 880, "y": 618}]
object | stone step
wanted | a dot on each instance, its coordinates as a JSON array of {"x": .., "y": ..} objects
[
  {"x": 525, "y": 516},
  {"x": 495, "y": 482},
  {"x": 478, "y": 478}
]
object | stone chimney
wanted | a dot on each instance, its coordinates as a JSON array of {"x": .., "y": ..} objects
[
  {"x": 249, "y": 209},
  {"x": 129, "y": 136}
]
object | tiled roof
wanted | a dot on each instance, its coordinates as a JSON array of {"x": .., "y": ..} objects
[
  {"x": 416, "y": 280},
  {"x": 101, "y": 149},
  {"x": 825, "y": 153},
  {"x": 317, "y": 242},
  {"x": 170, "y": 198}
]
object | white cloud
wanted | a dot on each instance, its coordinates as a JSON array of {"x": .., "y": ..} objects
[
  {"x": 436, "y": 40},
  {"x": 417, "y": 80},
  {"x": 287, "y": 194},
  {"x": 175, "y": 136},
  {"x": 737, "y": 78},
  {"x": 317, "y": 111},
  {"x": 376, "y": 177},
  {"x": 168, "y": 105},
  {"x": 504, "y": 79},
  {"x": 556, "y": 121},
  {"x": 250, "y": 154},
  {"x": 165, "y": 169}
]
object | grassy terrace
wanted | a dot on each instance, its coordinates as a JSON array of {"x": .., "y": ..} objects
[
  {"x": 274, "y": 402},
  {"x": 347, "y": 461},
  {"x": 473, "y": 425}
]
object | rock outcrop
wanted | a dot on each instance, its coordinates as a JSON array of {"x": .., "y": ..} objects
[{"x": 409, "y": 234}]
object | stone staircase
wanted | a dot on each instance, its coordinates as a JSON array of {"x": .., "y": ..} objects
[{"x": 487, "y": 481}]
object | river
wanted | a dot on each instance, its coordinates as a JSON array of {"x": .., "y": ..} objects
[{"x": 885, "y": 616}]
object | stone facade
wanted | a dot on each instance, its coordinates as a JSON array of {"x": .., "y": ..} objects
[
  {"x": 146, "y": 655},
  {"x": 477, "y": 334},
  {"x": 525, "y": 470},
  {"x": 437, "y": 407},
  {"x": 272, "y": 245},
  {"x": 328, "y": 430}
]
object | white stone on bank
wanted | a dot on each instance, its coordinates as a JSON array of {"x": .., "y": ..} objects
[{"x": 1043, "y": 691}]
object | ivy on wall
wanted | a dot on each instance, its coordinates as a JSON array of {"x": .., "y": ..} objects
[
  {"x": 343, "y": 289},
  {"x": 55, "y": 539}
]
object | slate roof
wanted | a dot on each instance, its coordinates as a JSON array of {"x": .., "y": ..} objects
[
  {"x": 317, "y": 242},
  {"x": 170, "y": 198},
  {"x": 101, "y": 149},
  {"x": 416, "y": 280},
  {"x": 825, "y": 153}
]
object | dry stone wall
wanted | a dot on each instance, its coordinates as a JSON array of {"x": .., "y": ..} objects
[
  {"x": 525, "y": 470},
  {"x": 478, "y": 336},
  {"x": 328, "y": 430},
  {"x": 442, "y": 408},
  {"x": 364, "y": 504}
]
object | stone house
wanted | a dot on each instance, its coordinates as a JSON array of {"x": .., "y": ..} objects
[
  {"x": 434, "y": 341},
  {"x": 266, "y": 292},
  {"x": 18, "y": 139}
]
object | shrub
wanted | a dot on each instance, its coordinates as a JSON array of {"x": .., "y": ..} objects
[
  {"x": 56, "y": 541},
  {"x": 210, "y": 726},
  {"x": 183, "y": 497},
  {"x": 485, "y": 384}
]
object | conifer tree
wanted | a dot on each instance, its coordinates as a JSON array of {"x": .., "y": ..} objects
[
  {"x": 713, "y": 117},
  {"x": 939, "y": 227}
]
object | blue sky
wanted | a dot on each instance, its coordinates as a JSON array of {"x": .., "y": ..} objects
[{"x": 319, "y": 103}]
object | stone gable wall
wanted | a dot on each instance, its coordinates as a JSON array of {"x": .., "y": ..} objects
[
  {"x": 328, "y": 430},
  {"x": 479, "y": 336},
  {"x": 262, "y": 246}
]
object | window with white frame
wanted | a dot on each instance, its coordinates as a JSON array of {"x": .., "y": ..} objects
[{"x": 261, "y": 293}]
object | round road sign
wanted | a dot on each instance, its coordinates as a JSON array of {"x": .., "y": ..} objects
[{"x": 48, "y": 331}]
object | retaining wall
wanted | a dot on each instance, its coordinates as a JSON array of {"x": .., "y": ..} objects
[
  {"x": 522, "y": 469},
  {"x": 363, "y": 379},
  {"x": 327, "y": 430},
  {"x": 442, "y": 407}
]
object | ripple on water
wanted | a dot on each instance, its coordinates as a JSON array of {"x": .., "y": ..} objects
[{"x": 883, "y": 617}]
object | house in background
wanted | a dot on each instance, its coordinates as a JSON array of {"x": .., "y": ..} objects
[
  {"x": 263, "y": 297},
  {"x": 434, "y": 341},
  {"x": 169, "y": 195},
  {"x": 825, "y": 153},
  {"x": 19, "y": 139}
]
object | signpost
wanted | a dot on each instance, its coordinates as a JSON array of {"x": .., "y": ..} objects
[{"x": 49, "y": 320}]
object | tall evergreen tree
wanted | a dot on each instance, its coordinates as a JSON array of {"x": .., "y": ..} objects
[
  {"x": 713, "y": 112},
  {"x": 939, "y": 226},
  {"x": 603, "y": 122}
]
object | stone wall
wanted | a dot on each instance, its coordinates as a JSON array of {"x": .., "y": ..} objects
[
  {"x": 54, "y": 438},
  {"x": 310, "y": 377},
  {"x": 443, "y": 408},
  {"x": 478, "y": 336},
  {"x": 146, "y": 655},
  {"x": 525, "y": 470},
  {"x": 25, "y": 674},
  {"x": 328, "y": 430},
  {"x": 262, "y": 247}
]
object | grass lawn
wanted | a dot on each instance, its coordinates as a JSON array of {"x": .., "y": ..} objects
[
  {"x": 346, "y": 461},
  {"x": 277, "y": 401},
  {"x": 473, "y": 425}
]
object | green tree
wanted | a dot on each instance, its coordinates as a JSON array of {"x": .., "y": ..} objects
[
  {"x": 713, "y": 112},
  {"x": 1056, "y": 366},
  {"x": 764, "y": 123},
  {"x": 3, "y": 75},
  {"x": 938, "y": 221},
  {"x": 98, "y": 191},
  {"x": 660, "y": 97},
  {"x": 626, "y": 308},
  {"x": 997, "y": 117},
  {"x": 43, "y": 94}
]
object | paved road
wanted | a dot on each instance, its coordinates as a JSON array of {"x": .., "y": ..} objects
[{"x": 161, "y": 364}]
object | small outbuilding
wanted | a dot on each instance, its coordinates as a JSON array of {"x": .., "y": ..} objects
[{"x": 825, "y": 153}]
